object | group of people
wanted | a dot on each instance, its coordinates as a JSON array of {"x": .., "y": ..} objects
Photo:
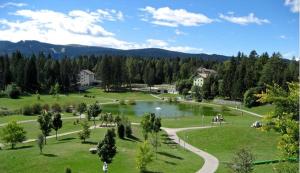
[{"x": 218, "y": 118}]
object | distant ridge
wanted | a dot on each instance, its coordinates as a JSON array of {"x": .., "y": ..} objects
[{"x": 73, "y": 50}]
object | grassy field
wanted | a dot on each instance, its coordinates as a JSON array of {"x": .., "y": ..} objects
[
  {"x": 262, "y": 110},
  {"x": 224, "y": 141},
  {"x": 69, "y": 152},
  {"x": 96, "y": 94}
]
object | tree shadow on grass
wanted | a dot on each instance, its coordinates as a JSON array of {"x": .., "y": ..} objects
[
  {"x": 49, "y": 155},
  {"x": 171, "y": 163},
  {"x": 134, "y": 138},
  {"x": 22, "y": 147},
  {"x": 90, "y": 142},
  {"x": 67, "y": 139},
  {"x": 169, "y": 155},
  {"x": 151, "y": 172}
]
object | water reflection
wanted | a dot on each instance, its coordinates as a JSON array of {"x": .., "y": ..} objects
[{"x": 161, "y": 108}]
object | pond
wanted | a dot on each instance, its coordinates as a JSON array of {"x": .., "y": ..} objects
[{"x": 162, "y": 109}]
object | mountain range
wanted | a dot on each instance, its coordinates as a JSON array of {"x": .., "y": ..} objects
[{"x": 30, "y": 46}]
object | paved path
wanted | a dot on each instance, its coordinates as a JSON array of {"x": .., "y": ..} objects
[
  {"x": 211, "y": 163},
  {"x": 155, "y": 96}
]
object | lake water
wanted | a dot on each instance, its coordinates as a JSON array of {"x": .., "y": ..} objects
[{"x": 162, "y": 109}]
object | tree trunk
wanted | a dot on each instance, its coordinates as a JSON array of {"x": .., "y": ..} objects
[
  {"x": 94, "y": 122},
  {"x": 156, "y": 143},
  {"x": 45, "y": 140},
  {"x": 56, "y": 134}
]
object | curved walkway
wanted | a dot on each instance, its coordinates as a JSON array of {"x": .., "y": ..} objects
[{"x": 211, "y": 163}]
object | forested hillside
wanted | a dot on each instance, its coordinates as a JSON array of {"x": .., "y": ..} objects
[{"x": 235, "y": 76}]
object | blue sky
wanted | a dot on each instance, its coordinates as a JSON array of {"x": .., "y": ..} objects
[{"x": 210, "y": 26}]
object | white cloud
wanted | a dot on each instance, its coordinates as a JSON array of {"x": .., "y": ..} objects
[
  {"x": 294, "y": 4},
  {"x": 166, "y": 16},
  {"x": 244, "y": 20},
  {"x": 178, "y": 32},
  {"x": 290, "y": 55},
  {"x": 282, "y": 37},
  {"x": 165, "y": 45},
  {"x": 12, "y": 4},
  {"x": 73, "y": 27},
  {"x": 184, "y": 49},
  {"x": 156, "y": 43}
]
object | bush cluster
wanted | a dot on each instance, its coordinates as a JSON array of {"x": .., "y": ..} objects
[
  {"x": 131, "y": 102},
  {"x": 88, "y": 96},
  {"x": 13, "y": 91}
]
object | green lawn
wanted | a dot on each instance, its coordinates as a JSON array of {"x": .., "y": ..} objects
[
  {"x": 69, "y": 152},
  {"x": 98, "y": 94},
  {"x": 224, "y": 141},
  {"x": 262, "y": 110}
]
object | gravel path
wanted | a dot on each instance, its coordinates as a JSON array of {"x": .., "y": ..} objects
[{"x": 211, "y": 163}]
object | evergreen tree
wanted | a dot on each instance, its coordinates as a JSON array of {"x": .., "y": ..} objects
[
  {"x": 107, "y": 147},
  {"x": 105, "y": 71},
  {"x": 149, "y": 75},
  {"x": 56, "y": 123}
]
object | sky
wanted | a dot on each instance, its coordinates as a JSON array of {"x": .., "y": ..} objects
[{"x": 194, "y": 26}]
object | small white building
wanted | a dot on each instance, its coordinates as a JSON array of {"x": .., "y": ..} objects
[
  {"x": 86, "y": 77},
  {"x": 202, "y": 74}
]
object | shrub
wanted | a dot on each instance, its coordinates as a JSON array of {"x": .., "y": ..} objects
[
  {"x": 27, "y": 110},
  {"x": 13, "y": 91},
  {"x": 250, "y": 98},
  {"x": 68, "y": 108},
  {"x": 2, "y": 94},
  {"x": 46, "y": 107},
  {"x": 56, "y": 107},
  {"x": 37, "y": 108},
  {"x": 242, "y": 161},
  {"x": 128, "y": 130},
  {"x": 121, "y": 131},
  {"x": 131, "y": 102},
  {"x": 175, "y": 100},
  {"x": 9, "y": 112},
  {"x": 68, "y": 170},
  {"x": 122, "y": 102},
  {"x": 144, "y": 156}
]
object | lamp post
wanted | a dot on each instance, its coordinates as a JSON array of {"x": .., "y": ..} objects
[{"x": 105, "y": 167}]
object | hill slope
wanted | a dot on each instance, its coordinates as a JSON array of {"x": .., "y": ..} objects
[{"x": 29, "y": 47}]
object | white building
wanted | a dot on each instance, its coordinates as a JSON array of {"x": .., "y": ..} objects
[
  {"x": 86, "y": 77},
  {"x": 202, "y": 74}
]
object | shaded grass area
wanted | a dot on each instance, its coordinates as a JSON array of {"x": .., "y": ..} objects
[{"x": 70, "y": 152}]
